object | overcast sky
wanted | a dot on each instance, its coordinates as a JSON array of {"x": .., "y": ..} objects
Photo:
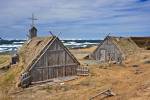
[{"x": 75, "y": 19}]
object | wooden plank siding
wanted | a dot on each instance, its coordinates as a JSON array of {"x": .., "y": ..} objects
[
  {"x": 56, "y": 62},
  {"x": 107, "y": 51}
]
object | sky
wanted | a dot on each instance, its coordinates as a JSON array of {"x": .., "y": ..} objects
[{"x": 75, "y": 19}]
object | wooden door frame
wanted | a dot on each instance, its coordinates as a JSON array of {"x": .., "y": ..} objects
[{"x": 104, "y": 56}]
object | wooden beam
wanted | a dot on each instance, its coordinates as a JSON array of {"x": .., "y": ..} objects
[
  {"x": 40, "y": 82},
  {"x": 107, "y": 93},
  {"x": 57, "y": 66},
  {"x": 56, "y": 50}
]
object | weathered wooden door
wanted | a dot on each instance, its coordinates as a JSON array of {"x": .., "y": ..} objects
[{"x": 102, "y": 55}]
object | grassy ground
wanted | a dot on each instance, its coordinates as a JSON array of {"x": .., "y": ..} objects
[
  {"x": 8, "y": 77},
  {"x": 129, "y": 81},
  {"x": 4, "y": 60}
]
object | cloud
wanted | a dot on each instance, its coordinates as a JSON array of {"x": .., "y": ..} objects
[{"x": 75, "y": 18}]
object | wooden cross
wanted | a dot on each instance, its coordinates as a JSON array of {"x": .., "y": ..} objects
[
  {"x": 33, "y": 19},
  {"x": 51, "y": 33}
]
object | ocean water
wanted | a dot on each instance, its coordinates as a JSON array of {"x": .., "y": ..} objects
[{"x": 13, "y": 45}]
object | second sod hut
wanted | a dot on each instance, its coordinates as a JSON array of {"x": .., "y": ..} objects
[
  {"x": 46, "y": 58},
  {"x": 114, "y": 49}
]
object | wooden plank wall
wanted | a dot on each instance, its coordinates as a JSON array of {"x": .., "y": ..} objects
[
  {"x": 111, "y": 51},
  {"x": 56, "y": 62}
]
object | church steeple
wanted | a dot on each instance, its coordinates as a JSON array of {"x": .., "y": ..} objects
[{"x": 33, "y": 30}]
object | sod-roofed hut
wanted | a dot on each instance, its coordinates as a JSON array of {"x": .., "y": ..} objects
[
  {"x": 114, "y": 49},
  {"x": 46, "y": 58}
]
